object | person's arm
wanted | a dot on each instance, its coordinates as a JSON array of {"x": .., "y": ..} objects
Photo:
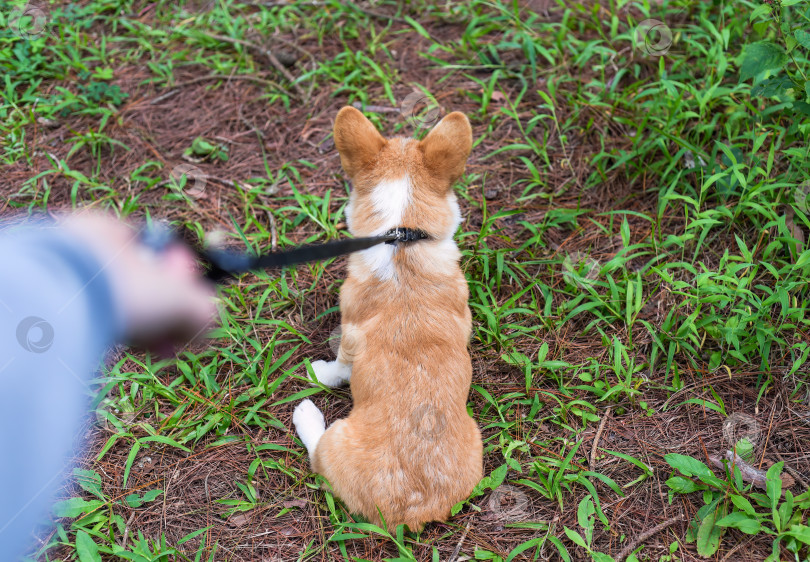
[{"x": 66, "y": 293}]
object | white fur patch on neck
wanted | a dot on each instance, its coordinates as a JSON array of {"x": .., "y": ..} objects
[{"x": 389, "y": 200}]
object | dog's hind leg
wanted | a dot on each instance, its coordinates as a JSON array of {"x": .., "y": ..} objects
[{"x": 309, "y": 424}]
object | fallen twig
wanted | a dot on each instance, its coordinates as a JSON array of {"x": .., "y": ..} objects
[
  {"x": 126, "y": 529},
  {"x": 631, "y": 546},
  {"x": 592, "y": 460},
  {"x": 458, "y": 546}
]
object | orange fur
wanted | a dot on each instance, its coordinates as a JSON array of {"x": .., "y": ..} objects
[{"x": 408, "y": 448}]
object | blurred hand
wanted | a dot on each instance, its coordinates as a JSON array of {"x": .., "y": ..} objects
[{"x": 161, "y": 297}]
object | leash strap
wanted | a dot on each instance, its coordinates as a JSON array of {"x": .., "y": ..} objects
[{"x": 225, "y": 264}]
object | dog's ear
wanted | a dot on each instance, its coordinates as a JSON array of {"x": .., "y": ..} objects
[
  {"x": 447, "y": 146},
  {"x": 356, "y": 139}
]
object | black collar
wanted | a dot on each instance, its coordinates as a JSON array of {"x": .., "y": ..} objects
[{"x": 403, "y": 234}]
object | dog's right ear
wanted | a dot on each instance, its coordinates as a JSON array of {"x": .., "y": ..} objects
[{"x": 356, "y": 139}]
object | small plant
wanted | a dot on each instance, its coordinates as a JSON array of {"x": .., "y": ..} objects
[
  {"x": 786, "y": 25},
  {"x": 586, "y": 517},
  {"x": 727, "y": 505},
  {"x": 101, "y": 92},
  {"x": 202, "y": 149}
]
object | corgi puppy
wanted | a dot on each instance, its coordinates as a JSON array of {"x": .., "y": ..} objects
[{"x": 409, "y": 450}]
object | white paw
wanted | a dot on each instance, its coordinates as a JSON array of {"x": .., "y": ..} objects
[
  {"x": 309, "y": 424},
  {"x": 331, "y": 373}
]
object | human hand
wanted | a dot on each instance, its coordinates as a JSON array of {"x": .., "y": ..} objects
[{"x": 161, "y": 297}]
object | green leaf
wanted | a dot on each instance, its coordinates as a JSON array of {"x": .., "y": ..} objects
[
  {"x": 74, "y": 507},
  {"x": 575, "y": 537},
  {"x": 495, "y": 479},
  {"x": 741, "y": 521},
  {"x": 760, "y": 11},
  {"x": 745, "y": 450},
  {"x": 585, "y": 513},
  {"x": 773, "y": 484},
  {"x": 803, "y": 38},
  {"x": 646, "y": 469},
  {"x": 418, "y": 27},
  {"x": 165, "y": 441},
  {"x": 683, "y": 485},
  {"x": 800, "y": 533},
  {"x": 515, "y": 358},
  {"x": 786, "y": 509},
  {"x": 86, "y": 548},
  {"x": 759, "y": 57},
  {"x": 130, "y": 459},
  {"x": 89, "y": 480},
  {"x": 705, "y": 404},
  {"x": 687, "y": 465},
  {"x": 743, "y": 503},
  {"x": 560, "y": 548},
  {"x": 708, "y": 535},
  {"x": 134, "y": 500},
  {"x": 297, "y": 396},
  {"x": 773, "y": 86},
  {"x": 525, "y": 546}
]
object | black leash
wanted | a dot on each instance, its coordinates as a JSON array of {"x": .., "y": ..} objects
[{"x": 225, "y": 264}]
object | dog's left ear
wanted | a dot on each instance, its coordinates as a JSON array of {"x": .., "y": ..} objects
[
  {"x": 447, "y": 147},
  {"x": 357, "y": 141}
]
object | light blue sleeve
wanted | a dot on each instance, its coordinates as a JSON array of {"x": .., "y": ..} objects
[{"x": 56, "y": 319}]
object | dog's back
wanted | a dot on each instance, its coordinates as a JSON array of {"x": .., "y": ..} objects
[{"x": 409, "y": 448}]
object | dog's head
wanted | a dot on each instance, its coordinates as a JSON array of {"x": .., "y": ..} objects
[{"x": 401, "y": 182}]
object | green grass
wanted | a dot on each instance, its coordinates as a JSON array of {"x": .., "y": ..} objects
[{"x": 634, "y": 241}]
